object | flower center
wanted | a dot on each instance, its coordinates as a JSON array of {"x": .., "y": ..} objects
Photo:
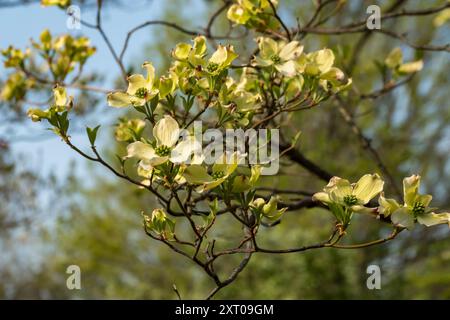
[
  {"x": 211, "y": 67},
  {"x": 275, "y": 58},
  {"x": 162, "y": 151},
  {"x": 350, "y": 200},
  {"x": 141, "y": 93},
  {"x": 218, "y": 174},
  {"x": 418, "y": 208}
]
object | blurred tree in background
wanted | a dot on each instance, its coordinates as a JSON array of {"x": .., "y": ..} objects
[{"x": 98, "y": 227}]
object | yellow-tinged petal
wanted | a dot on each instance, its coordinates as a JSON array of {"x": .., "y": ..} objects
[
  {"x": 363, "y": 209},
  {"x": 368, "y": 187},
  {"x": 411, "y": 67},
  {"x": 37, "y": 114},
  {"x": 335, "y": 75},
  {"x": 241, "y": 184},
  {"x": 403, "y": 218},
  {"x": 166, "y": 131},
  {"x": 411, "y": 189},
  {"x": 184, "y": 150},
  {"x": 324, "y": 59},
  {"x": 150, "y": 74},
  {"x": 237, "y": 14},
  {"x": 442, "y": 18},
  {"x": 231, "y": 55},
  {"x": 424, "y": 199},
  {"x": 135, "y": 82},
  {"x": 258, "y": 203},
  {"x": 342, "y": 188},
  {"x": 387, "y": 206},
  {"x": 256, "y": 172},
  {"x": 196, "y": 174},
  {"x": 290, "y": 51},
  {"x": 394, "y": 58},
  {"x": 140, "y": 150},
  {"x": 219, "y": 56},
  {"x": 322, "y": 197},
  {"x": 199, "y": 45},
  {"x": 227, "y": 163},
  {"x": 60, "y": 96},
  {"x": 288, "y": 69},
  {"x": 431, "y": 219},
  {"x": 118, "y": 99},
  {"x": 181, "y": 51},
  {"x": 268, "y": 47}
]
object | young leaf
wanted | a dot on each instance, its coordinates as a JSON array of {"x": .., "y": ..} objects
[{"x": 92, "y": 134}]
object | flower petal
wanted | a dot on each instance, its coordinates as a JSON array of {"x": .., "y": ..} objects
[
  {"x": 181, "y": 51},
  {"x": 363, "y": 209},
  {"x": 150, "y": 75},
  {"x": 60, "y": 96},
  {"x": 431, "y": 219},
  {"x": 262, "y": 62},
  {"x": 341, "y": 189},
  {"x": 424, "y": 199},
  {"x": 387, "y": 206},
  {"x": 135, "y": 82},
  {"x": 290, "y": 51},
  {"x": 219, "y": 56},
  {"x": 323, "y": 59},
  {"x": 411, "y": 67},
  {"x": 268, "y": 47},
  {"x": 322, "y": 197},
  {"x": 288, "y": 68},
  {"x": 183, "y": 150},
  {"x": 403, "y": 218},
  {"x": 394, "y": 58},
  {"x": 196, "y": 174},
  {"x": 140, "y": 150},
  {"x": 166, "y": 131},
  {"x": 368, "y": 187},
  {"x": 119, "y": 99},
  {"x": 411, "y": 189}
]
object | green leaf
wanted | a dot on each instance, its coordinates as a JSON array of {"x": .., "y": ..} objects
[{"x": 92, "y": 134}]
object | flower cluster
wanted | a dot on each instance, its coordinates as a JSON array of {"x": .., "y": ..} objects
[
  {"x": 160, "y": 224},
  {"x": 289, "y": 59},
  {"x": 61, "y": 55},
  {"x": 394, "y": 61},
  {"x": 344, "y": 198},
  {"x": 61, "y": 103},
  {"x": 253, "y": 13}
]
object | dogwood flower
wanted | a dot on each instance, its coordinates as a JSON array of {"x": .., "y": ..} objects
[
  {"x": 195, "y": 56},
  {"x": 166, "y": 133},
  {"x": 220, "y": 59},
  {"x": 251, "y": 12},
  {"x": 279, "y": 54},
  {"x": 140, "y": 89},
  {"x": 61, "y": 103},
  {"x": 191, "y": 53},
  {"x": 354, "y": 196},
  {"x": 268, "y": 210},
  {"x": 222, "y": 169},
  {"x": 415, "y": 207},
  {"x": 319, "y": 64},
  {"x": 160, "y": 224},
  {"x": 394, "y": 61}
]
